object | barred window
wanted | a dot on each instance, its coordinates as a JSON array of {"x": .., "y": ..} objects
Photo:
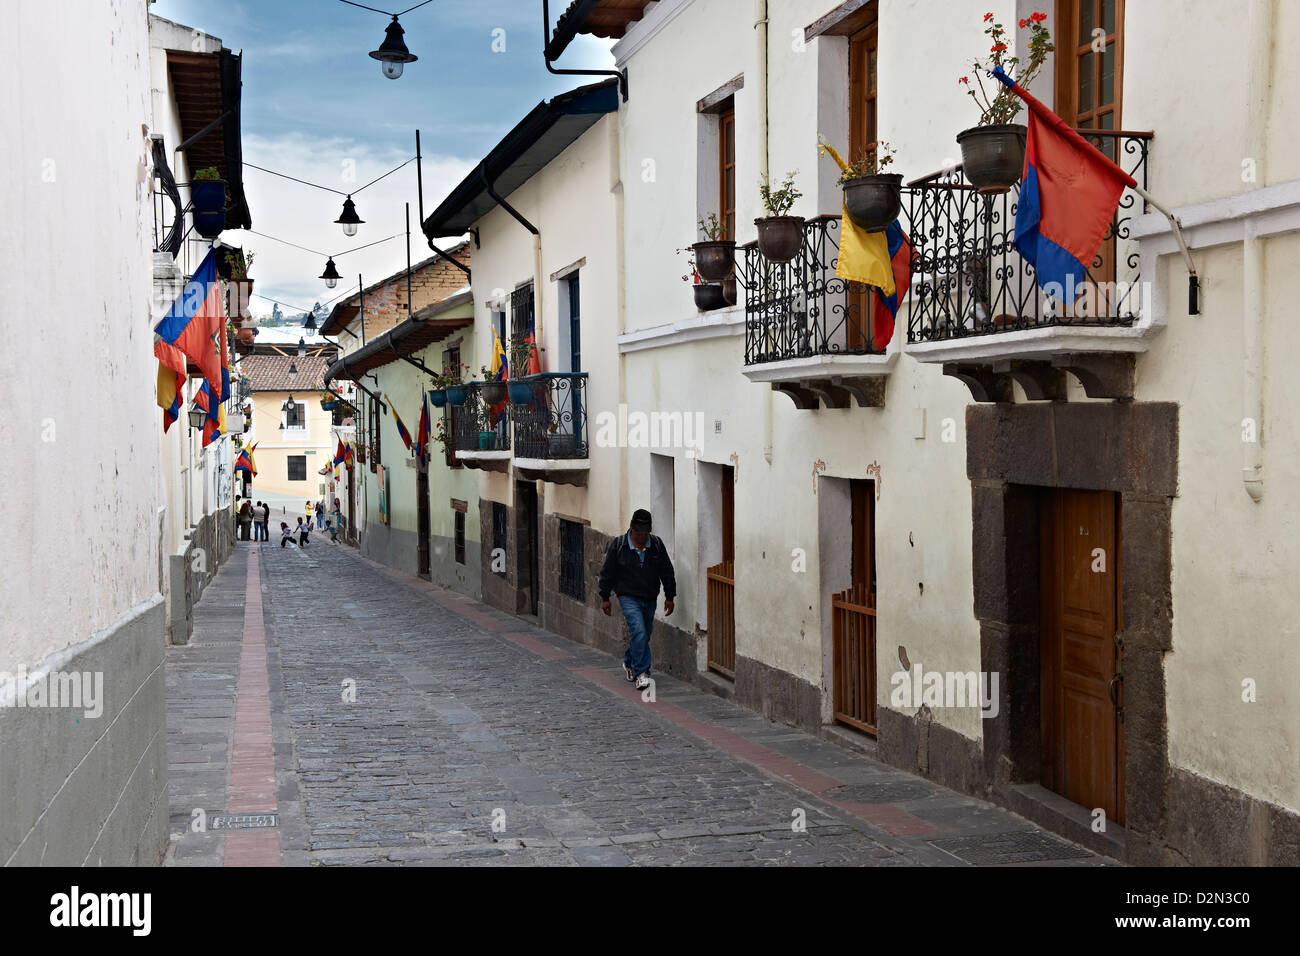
[
  {"x": 500, "y": 537},
  {"x": 573, "y": 578},
  {"x": 297, "y": 467},
  {"x": 460, "y": 537}
]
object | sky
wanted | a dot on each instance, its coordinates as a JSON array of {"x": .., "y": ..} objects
[{"x": 315, "y": 106}]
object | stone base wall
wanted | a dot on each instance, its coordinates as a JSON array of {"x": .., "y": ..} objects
[
  {"x": 210, "y": 543},
  {"x": 673, "y": 651},
  {"x": 92, "y": 790},
  {"x": 445, "y": 572},
  {"x": 778, "y": 695}
]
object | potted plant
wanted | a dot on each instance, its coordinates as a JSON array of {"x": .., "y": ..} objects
[
  {"x": 493, "y": 391},
  {"x": 872, "y": 197},
  {"x": 708, "y": 295},
  {"x": 519, "y": 390},
  {"x": 456, "y": 394},
  {"x": 715, "y": 256},
  {"x": 440, "y": 384},
  {"x": 208, "y": 196},
  {"x": 487, "y": 440},
  {"x": 239, "y": 262},
  {"x": 993, "y": 153},
  {"x": 780, "y": 235}
]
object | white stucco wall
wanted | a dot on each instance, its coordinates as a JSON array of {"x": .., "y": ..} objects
[
  {"x": 78, "y": 424},
  {"x": 573, "y": 203}
]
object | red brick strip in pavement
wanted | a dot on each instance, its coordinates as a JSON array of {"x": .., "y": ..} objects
[
  {"x": 885, "y": 816},
  {"x": 251, "y": 787}
]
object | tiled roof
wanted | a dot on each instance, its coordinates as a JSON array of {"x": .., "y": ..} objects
[{"x": 270, "y": 373}]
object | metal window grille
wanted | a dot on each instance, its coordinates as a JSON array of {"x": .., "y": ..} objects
[{"x": 573, "y": 579}]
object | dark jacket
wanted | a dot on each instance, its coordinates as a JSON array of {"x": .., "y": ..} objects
[{"x": 625, "y": 572}]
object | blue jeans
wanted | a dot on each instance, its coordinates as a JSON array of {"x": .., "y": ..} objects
[
  {"x": 640, "y": 617},
  {"x": 320, "y": 521},
  {"x": 259, "y": 530}
]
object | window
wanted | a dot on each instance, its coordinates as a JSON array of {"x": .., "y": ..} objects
[
  {"x": 295, "y": 415},
  {"x": 862, "y": 133},
  {"x": 1089, "y": 84},
  {"x": 450, "y": 366},
  {"x": 373, "y": 415},
  {"x": 570, "y": 324},
  {"x": 500, "y": 538},
  {"x": 727, "y": 170},
  {"x": 460, "y": 537},
  {"x": 573, "y": 569},
  {"x": 521, "y": 316},
  {"x": 297, "y": 467}
]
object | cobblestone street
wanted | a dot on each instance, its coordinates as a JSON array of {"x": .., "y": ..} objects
[{"x": 475, "y": 738}]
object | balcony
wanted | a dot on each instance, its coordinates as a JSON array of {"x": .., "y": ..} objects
[
  {"x": 551, "y": 435},
  {"x": 481, "y": 432},
  {"x": 807, "y": 331},
  {"x": 976, "y": 307}
]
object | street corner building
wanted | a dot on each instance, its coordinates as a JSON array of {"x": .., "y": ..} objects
[{"x": 113, "y": 565}]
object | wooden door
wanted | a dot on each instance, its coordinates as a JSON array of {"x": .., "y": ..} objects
[
  {"x": 853, "y": 620},
  {"x": 862, "y": 133},
  {"x": 720, "y": 580},
  {"x": 422, "y": 520},
  {"x": 1082, "y": 703},
  {"x": 527, "y": 548}
]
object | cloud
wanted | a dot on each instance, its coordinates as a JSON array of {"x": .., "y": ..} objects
[{"x": 305, "y": 216}]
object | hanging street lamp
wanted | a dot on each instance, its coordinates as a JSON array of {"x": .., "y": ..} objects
[
  {"x": 331, "y": 277},
  {"x": 302, "y": 347},
  {"x": 310, "y": 324},
  {"x": 293, "y": 369},
  {"x": 392, "y": 53},
  {"x": 349, "y": 219}
]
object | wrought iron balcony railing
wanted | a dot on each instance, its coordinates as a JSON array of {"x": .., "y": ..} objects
[
  {"x": 478, "y": 425},
  {"x": 968, "y": 279},
  {"x": 554, "y": 425},
  {"x": 801, "y": 308}
]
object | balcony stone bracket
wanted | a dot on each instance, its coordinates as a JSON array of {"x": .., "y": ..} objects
[
  {"x": 567, "y": 471},
  {"x": 498, "y": 461},
  {"x": 837, "y": 391},
  {"x": 1102, "y": 375}
]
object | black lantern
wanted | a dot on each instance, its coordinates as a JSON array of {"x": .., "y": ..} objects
[
  {"x": 293, "y": 369},
  {"x": 392, "y": 53},
  {"x": 310, "y": 324},
  {"x": 331, "y": 277},
  {"x": 302, "y": 347},
  {"x": 349, "y": 219}
]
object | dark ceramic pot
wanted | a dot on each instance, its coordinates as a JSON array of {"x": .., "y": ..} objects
[
  {"x": 873, "y": 202},
  {"x": 993, "y": 157},
  {"x": 780, "y": 237},
  {"x": 714, "y": 259},
  {"x": 709, "y": 296}
]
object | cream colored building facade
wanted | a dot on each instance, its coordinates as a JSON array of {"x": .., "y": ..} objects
[{"x": 1181, "y": 426}]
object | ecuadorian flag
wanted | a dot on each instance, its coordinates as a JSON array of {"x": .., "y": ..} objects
[
  {"x": 422, "y": 431},
  {"x": 1068, "y": 196},
  {"x": 886, "y": 311},
  {"x": 401, "y": 428},
  {"x": 194, "y": 328},
  {"x": 245, "y": 462}
]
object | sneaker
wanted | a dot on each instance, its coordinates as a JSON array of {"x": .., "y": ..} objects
[
  {"x": 631, "y": 675},
  {"x": 643, "y": 682}
]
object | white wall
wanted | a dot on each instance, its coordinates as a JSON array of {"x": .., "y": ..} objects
[{"x": 78, "y": 423}]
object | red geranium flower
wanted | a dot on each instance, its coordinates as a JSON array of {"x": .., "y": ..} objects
[
  {"x": 964, "y": 79},
  {"x": 1038, "y": 17},
  {"x": 988, "y": 17},
  {"x": 997, "y": 48},
  {"x": 1022, "y": 24}
]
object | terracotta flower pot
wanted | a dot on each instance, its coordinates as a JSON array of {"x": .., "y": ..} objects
[
  {"x": 873, "y": 202},
  {"x": 246, "y": 336},
  {"x": 993, "y": 157},
  {"x": 780, "y": 237},
  {"x": 714, "y": 259}
]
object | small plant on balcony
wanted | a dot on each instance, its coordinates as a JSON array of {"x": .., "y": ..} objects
[
  {"x": 716, "y": 254},
  {"x": 872, "y": 197},
  {"x": 494, "y": 392},
  {"x": 780, "y": 235},
  {"x": 449, "y": 377},
  {"x": 993, "y": 153},
  {"x": 522, "y": 353}
]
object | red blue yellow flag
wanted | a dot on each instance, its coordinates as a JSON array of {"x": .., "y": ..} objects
[
  {"x": 397, "y": 420},
  {"x": 194, "y": 328}
]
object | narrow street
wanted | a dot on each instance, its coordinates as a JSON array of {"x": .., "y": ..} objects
[{"x": 475, "y": 738}]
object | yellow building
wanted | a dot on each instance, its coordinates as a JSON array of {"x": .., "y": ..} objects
[{"x": 291, "y": 430}]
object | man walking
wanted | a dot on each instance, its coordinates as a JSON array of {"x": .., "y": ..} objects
[{"x": 635, "y": 565}]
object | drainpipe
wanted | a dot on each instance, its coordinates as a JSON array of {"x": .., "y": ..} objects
[
  {"x": 760, "y": 32},
  {"x": 1260, "y": 58}
]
